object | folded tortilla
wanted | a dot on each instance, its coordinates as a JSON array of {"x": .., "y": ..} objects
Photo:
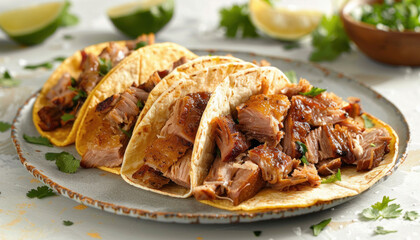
[
  {"x": 149, "y": 128},
  {"x": 136, "y": 67},
  {"x": 237, "y": 89}
]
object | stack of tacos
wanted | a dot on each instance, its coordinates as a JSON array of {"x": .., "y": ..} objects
[{"x": 228, "y": 132}]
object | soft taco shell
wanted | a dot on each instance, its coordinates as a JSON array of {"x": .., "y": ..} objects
[
  {"x": 243, "y": 85},
  {"x": 153, "y": 121}
]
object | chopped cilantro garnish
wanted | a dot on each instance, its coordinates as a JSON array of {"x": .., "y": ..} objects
[
  {"x": 4, "y": 126},
  {"x": 47, "y": 65},
  {"x": 59, "y": 59},
  {"x": 67, "y": 163},
  {"x": 411, "y": 215},
  {"x": 368, "y": 122},
  {"x": 140, "y": 104},
  {"x": 236, "y": 22},
  {"x": 140, "y": 45},
  {"x": 302, "y": 149},
  {"x": 37, "y": 140},
  {"x": 317, "y": 228},
  {"x": 257, "y": 233},
  {"x": 68, "y": 36},
  {"x": 67, "y": 18},
  {"x": 8, "y": 81},
  {"x": 40, "y": 192},
  {"x": 67, "y": 117},
  {"x": 80, "y": 94},
  {"x": 73, "y": 82},
  {"x": 52, "y": 156},
  {"x": 333, "y": 178},
  {"x": 382, "y": 210},
  {"x": 105, "y": 65},
  {"x": 291, "y": 75},
  {"x": 291, "y": 45},
  {"x": 382, "y": 231},
  {"x": 329, "y": 40},
  {"x": 127, "y": 133},
  {"x": 315, "y": 91},
  {"x": 67, "y": 223},
  {"x": 373, "y": 145}
]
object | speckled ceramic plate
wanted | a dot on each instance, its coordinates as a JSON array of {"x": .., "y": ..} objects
[{"x": 109, "y": 192}]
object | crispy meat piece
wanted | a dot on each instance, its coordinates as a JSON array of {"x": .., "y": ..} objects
[
  {"x": 328, "y": 167},
  {"x": 89, "y": 77},
  {"x": 125, "y": 110},
  {"x": 150, "y": 177},
  {"x": 375, "y": 145},
  {"x": 149, "y": 39},
  {"x": 261, "y": 117},
  {"x": 229, "y": 140},
  {"x": 107, "y": 104},
  {"x": 50, "y": 118},
  {"x": 179, "y": 172},
  {"x": 61, "y": 86},
  {"x": 104, "y": 157},
  {"x": 292, "y": 89},
  {"x": 302, "y": 174},
  {"x": 353, "y": 108},
  {"x": 114, "y": 53}
]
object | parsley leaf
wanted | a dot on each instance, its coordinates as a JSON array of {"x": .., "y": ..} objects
[
  {"x": 236, "y": 22},
  {"x": 315, "y": 91},
  {"x": 4, "y": 126},
  {"x": 317, "y": 228},
  {"x": 291, "y": 45},
  {"x": 382, "y": 210},
  {"x": 411, "y": 215},
  {"x": 329, "y": 40},
  {"x": 37, "y": 140},
  {"x": 368, "y": 122},
  {"x": 67, "y": 117},
  {"x": 140, "y": 45},
  {"x": 47, "y": 65},
  {"x": 67, "y": 163},
  {"x": 291, "y": 75},
  {"x": 257, "y": 233},
  {"x": 302, "y": 149},
  {"x": 67, "y": 223},
  {"x": 8, "y": 81},
  {"x": 80, "y": 94},
  {"x": 333, "y": 178},
  {"x": 59, "y": 59},
  {"x": 140, "y": 104},
  {"x": 52, "y": 156},
  {"x": 67, "y": 18},
  {"x": 40, "y": 192},
  {"x": 105, "y": 65},
  {"x": 381, "y": 230}
]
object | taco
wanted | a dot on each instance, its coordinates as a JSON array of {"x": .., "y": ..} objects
[
  {"x": 158, "y": 157},
  {"x": 264, "y": 143},
  {"x": 98, "y": 70},
  {"x": 106, "y": 128}
]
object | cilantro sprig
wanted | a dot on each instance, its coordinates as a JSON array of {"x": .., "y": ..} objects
[
  {"x": 4, "y": 126},
  {"x": 236, "y": 22},
  {"x": 37, "y": 140},
  {"x": 382, "y": 210},
  {"x": 80, "y": 94},
  {"x": 105, "y": 65},
  {"x": 368, "y": 122},
  {"x": 380, "y": 230},
  {"x": 140, "y": 104},
  {"x": 67, "y": 223},
  {"x": 315, "y": 91},
  {"x": 67, "y": 18},
  {"x": 291, "y": 75},
  {"x": 65, "y": 161},
  {"x": 8, "y": 81},
  {"x": 332, "y": 178},
  {"x": 140, "y": 45},
  {"x": 40, "y": 192},
  {"x": 302, "y": 149},
  {"x": 257, "y": 233},
  {"x": 411, "y": 215},
  {"x": 317, "y": 228},
  {"x": 46, "y": 65},
  {"x": 67, "y": 117}
]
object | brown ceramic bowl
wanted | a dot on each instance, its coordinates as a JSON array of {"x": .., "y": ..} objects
[{"x": 392, "y": 47}]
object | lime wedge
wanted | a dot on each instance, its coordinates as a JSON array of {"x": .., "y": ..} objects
[
  {"x": 32, "y": 25},
  {"x": 282, "y": 22},
  {"x": 136, "y": 18}
]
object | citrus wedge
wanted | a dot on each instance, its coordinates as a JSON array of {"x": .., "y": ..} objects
[
  {"x": 32, "y": 25},
  {"x": 147, "y": 16},
  {"x": 282, "y": 22}
]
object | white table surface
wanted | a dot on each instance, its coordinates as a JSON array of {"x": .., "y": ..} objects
[{"x": 193, "y": 26}]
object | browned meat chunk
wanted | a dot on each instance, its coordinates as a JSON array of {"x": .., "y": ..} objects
[
  {"x": 89, "y": 77},
  {"x": 186, "y": 115},
  {"x": 294, "y": 131},
  {"x": 275, "y": 165},
  {"x": 302, "y": 174},
  {"x": 107, "y": 104},
  {"x": 114, "y": 53},
  {"x": 353, "y": 126},
  {"x": 151, "y": 82},
  {"x": 292, "y": 89},
  {"x": 179, "y": 172},
  {"x": 125, "y": 110},
  {"x": 230, "y": 141},
  {"x": 375, "y": 146},
  {"x": 107, "y": 157},
  {"x": 162, "y": 153},
  {"x": 261, "y": 117},
  {"x": 61, "y": 86},
  {"x": 328, "y": 167},
  {"x": 150, "y": 177},
  {"x": 147, "y": 39},
  {"x": 353, "y": 109},
  {"x": 50, "y": 118}
]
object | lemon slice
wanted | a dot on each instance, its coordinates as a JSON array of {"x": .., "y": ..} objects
[
  {"x": 282, "y": 22},
  {"x": 136, "y": 18},
  {"x": 32, "y": 25}
]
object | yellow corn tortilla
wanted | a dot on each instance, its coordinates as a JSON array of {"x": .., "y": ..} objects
[
  {"x": 148, "y": 129},
  {"x": 237, "y": 90},
  {"x": 134, "y": 67}
]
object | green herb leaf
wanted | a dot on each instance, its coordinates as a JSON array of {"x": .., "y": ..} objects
[
  {"x": 372, "y": 145},
  {"x": 40, "y": 192},
  {"x": 140, "y": 45},
  {"x": 47, "y": 65},
  {"x": 37, "y": 140},
  {"x": 128, "y": 134},
  {"x": 80, "y": 94},
  {"x": 67, "y": 18},
  {"x": 302, "y": 149},
  {"x": 315, "y": 91},
  {"x": 381, "y": 230},
  {"x": 4, "y": 126},
  {"x": 67, "y": 163},
  {"x": 368, "y": 122},
  {"x": 291, "y": 75},
  {"x": 329, "y": 40},
  {"x": 73, "y": 82},
  {"x": 257, "y": 233},
  {"x": 382, "y": 210},
  {"x": 68, "y": 36},
  {"x": 67, "y": 117},
  {"x": 236, "y": 22},
  {"x": 291, "y": 45},
  {"x": 8, "y": 81},
  {"x": 333, "y": 178},
  {"x": 50, "y": 156},
  {"x": 67, "y": 223},
  {"x": 105, "y": 65},
  {"x": 59, "y": 59},
  {"x": 317, "y": 228},
  {"x": 411, "y": 215},
  {"x": 140, "y": 104}
]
